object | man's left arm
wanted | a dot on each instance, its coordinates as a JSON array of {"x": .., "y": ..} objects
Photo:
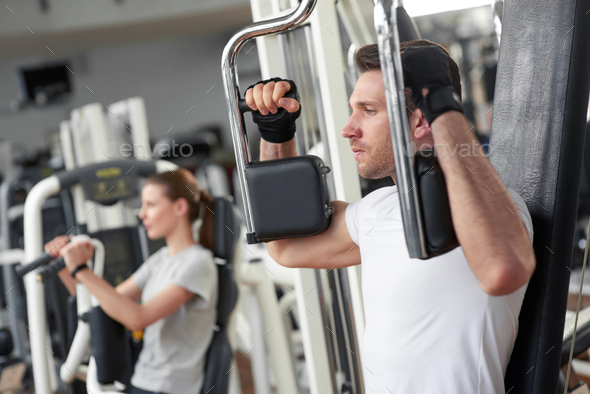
[{"x": 486, "y": 219}]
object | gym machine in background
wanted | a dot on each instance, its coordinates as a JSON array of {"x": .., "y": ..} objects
[
  {"x": 58, "y": 217},
  {"x": 95, "y": 180}
]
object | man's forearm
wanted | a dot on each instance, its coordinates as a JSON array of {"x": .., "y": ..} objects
[
  {"x": 486, "y": 220},
  {"x": 270, "y": 151}
]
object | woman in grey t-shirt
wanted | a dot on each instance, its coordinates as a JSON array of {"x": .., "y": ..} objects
[{"x": 173, "y": 295}]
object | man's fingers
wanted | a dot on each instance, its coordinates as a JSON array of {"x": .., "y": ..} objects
[
  {"x": 268, "y": 98},
  {"x": 281, "y": 88},
  {"x": 268, "y": 95},
  {"x": 259, "y": 100},
  {"x": 250, "y": 99},
  {"x": 291, "y": 105}
]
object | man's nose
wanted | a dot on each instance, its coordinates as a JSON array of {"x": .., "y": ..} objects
[{"x": 351, "y": 129}]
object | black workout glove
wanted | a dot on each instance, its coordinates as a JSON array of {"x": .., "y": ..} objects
[
  {"x": 427, "y": 67},
  {"x": 279, "y": 127}
]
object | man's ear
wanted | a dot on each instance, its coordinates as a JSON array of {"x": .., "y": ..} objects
[{"x": 419, "y": 124}]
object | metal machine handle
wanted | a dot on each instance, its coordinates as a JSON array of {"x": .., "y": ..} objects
[
  {"x": 232, "y": 90},
  {"x": 51, "y": 270},
  {"x": 22, "y": 270},
  {"x": 243, "y": 106},
  {"x": 385, "y": 19}
]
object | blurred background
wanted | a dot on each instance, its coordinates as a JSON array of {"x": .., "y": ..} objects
[{"x": 57, "y": 55}]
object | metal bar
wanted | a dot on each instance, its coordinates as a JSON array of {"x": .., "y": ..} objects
[
  {"x": 232, "y": 93},
  {"x": 42, "y": 367},
  {"x": 385, "y": 17},
  {"x": 346, "y": 305}
]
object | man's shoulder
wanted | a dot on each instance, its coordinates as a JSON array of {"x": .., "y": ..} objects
[
  {"x": 377, "y": 202},
  {"x": 385, "y": 195}
]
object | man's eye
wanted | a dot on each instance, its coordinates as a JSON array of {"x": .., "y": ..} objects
[{"x": 369, "y": 111}]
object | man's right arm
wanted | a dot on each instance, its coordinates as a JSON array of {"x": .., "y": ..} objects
[
  {"x": 270, "y": 151},
  {"x": 334, "y": 248}
]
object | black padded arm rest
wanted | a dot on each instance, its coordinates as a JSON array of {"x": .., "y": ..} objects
[
  {"x": 289, "y": 198},
  {"x": 434, "y": 201},
  {"x": 109, "y": 346}
]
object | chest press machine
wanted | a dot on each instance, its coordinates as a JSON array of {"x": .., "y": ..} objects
[
  {"x": 109, "y": 363},
  {"x": 289, "y": 197},
  {"x": 532, "y": 170}
]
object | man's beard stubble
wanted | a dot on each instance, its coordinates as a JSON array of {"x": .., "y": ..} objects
[{"x": 378, "y": 168}]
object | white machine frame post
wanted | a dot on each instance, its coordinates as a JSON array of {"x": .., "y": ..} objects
[
  {"x": 43, "y": 367},
  {"x": 328, "y": 58}
]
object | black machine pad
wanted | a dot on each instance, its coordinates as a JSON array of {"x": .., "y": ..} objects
[{"x": 289, "y": 198}]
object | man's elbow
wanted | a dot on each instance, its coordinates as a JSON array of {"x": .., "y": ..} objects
[
  {"x": 507, "y": 278},
  {"x": 277, "y": 250}
]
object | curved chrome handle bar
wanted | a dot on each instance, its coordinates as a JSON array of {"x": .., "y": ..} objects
[
  {"x": 385, "y": 18},
  {"x": 232, "y": 93}
]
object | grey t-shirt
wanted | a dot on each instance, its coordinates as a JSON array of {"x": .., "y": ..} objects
[{"x": 174, "y": 348}]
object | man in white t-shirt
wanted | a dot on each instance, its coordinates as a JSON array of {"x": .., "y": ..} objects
[{"x": 442, "y": 325}]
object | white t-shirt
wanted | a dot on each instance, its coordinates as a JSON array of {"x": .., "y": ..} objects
[
  {"x": 430, "y": 328},
  {"x": 172, "y": 359}
]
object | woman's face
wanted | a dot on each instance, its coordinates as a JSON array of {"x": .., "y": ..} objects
[{"x": 159, "y": 215}]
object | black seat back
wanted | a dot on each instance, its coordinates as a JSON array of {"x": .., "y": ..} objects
[{"x": 220, "y": 353}]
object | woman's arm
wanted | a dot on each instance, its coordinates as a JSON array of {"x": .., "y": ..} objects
[
  {"x": 129, "y": 289},
  {"x": 126, "y": 311},
  {"x": 68, "y": 281},
  {"x": 117, "y": 304},
  {"x": 53, "y": 248}
]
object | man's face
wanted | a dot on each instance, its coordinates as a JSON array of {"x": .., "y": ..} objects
[
  {"x": 368, "y": 127},
  {"x": 368, "y": 132}
]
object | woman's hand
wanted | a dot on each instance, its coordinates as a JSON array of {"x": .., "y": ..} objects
[
  {"x": 54, "y": 246},
  {"x": 76, "y": 254}
]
